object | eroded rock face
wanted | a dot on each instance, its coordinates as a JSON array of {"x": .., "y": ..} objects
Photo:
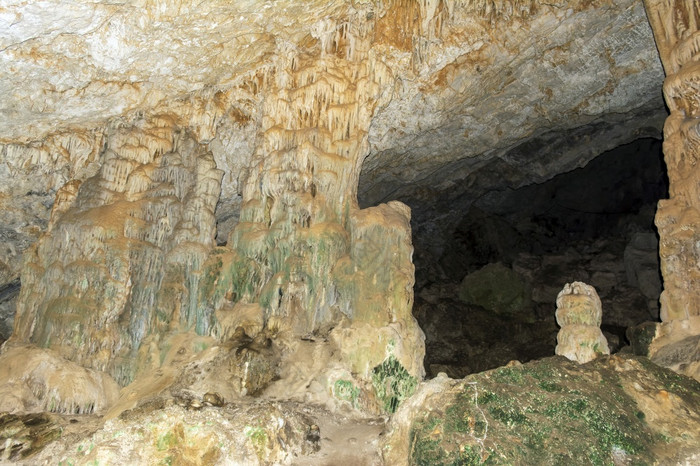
[
  {"x": 491, "y": 92},
  {"x": 676, "y": 27},
  {"x": 120, "y": 258}
]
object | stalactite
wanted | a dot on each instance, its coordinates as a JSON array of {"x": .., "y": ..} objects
[{"x": 319, "y": 259}]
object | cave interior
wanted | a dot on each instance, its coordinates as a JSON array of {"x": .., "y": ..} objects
[
  {"x": 593, "y": 224},
  {"x": 350, "y": 232}
]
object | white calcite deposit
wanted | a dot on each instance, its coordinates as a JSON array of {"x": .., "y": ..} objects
[{"x": 579, "y": 314}]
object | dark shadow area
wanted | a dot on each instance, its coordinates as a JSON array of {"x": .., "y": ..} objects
[
  {"x": 8, "y": 300},
  {"x": 486, "y": 287}
]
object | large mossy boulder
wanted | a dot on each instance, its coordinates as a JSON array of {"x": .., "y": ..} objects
[
  {"x": 499, "y": 289},
  {"x": 614, "y": 410}
]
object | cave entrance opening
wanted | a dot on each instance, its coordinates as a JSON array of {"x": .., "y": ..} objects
[{"x": 486, "y": 288}]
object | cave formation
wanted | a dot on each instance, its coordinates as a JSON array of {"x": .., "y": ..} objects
[
  {"x": 593, "y": 224},
  {"x": 302, "y": 220}
]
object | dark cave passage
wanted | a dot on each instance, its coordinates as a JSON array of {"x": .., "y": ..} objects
[{"x": 486, "y": 287}]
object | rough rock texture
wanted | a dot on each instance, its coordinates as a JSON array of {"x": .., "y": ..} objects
[
  {"x": 291, "y": 115},
  {"x": 676, "y": 27},
  {"x": 302, "y": 249},
  {"x": 579, "y": 315},
  {"x": 265, "y": 433},
  {"x": 35, "y": 380},
  {"x": 128, "y": 257},
  {"x": 31, "y": 174},
  {"x": 118, "y": 262},
  {"x": 149, "y": 123},
  {"x": 24, "y": 435},
  {"x": 615, "y": 410},
  {"x": 491, "y": 115},
  {"x": 641, "y": 259},
  {"x": 491, "y": 92},
  {"x": 618, "y": 409},
  {"x": 8, "y": 299},
  {"x": 258, "y": 433}
]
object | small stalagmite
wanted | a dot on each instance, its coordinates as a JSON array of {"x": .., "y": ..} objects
[{"x": 579, "y": 314}]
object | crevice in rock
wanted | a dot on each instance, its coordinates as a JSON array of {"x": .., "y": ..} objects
[{"x": 8, "y": 298}]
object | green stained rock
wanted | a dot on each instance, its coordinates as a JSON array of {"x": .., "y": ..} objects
[
  {"x": 392, "y": 384},
  {"x": 613, "y": 410},
  {"x": 258, "y": 438},
  {"x": 641, "y": 336},
  {"x": 499, "y": 289},
  {"x": 345, "y": 390}
]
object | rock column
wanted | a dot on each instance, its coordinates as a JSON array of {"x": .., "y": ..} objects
[
  {"x": 305, "y": 262},
  {"x": 675, "y": 24}
]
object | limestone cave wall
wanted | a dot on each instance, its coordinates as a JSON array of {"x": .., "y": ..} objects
[
  {"x": 209, "y": 213},
  {"x": 183, "y": 118}
]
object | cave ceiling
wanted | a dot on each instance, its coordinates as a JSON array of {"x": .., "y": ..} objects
[{"x": 482, "y": 95}]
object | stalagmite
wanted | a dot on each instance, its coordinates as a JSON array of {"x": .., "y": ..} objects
[{"x": 579, "y": 315}]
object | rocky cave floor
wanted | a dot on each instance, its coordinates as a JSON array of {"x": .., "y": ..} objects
[{"x": 620, "y": 410}]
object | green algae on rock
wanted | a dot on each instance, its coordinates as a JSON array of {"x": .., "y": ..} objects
[
  {"x": 551, "y": 411},
  {"x": 392, "y": 384}
]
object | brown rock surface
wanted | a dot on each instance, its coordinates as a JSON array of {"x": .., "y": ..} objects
[
  {"x": 131, "y": 131},
  {"x": 473, "y": 89},
  {"x": 676, "y": 27}
]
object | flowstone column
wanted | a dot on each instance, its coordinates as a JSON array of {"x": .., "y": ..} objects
[
  {"x": 119, "y": 262},
  {"x": 304, "y": 262},
  {"x": 676, "y": 26}
]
